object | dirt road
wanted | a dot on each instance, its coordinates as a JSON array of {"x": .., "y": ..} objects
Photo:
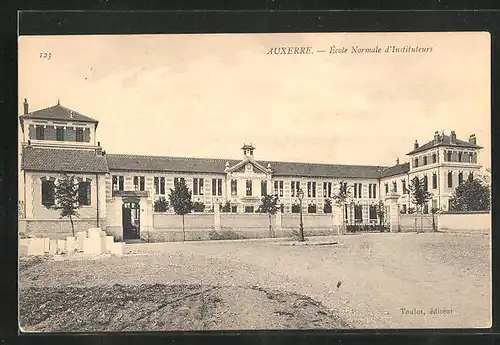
[{"x": 386, "y": 280}]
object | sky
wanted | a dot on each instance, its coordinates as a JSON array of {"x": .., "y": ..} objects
[{"x": 207, "y": 95}]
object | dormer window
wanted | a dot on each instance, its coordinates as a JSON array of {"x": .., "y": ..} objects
[
  {"x": 40, "y": 133},
  {"x": 60, "y": 133},
  {"x": 79, "y": 135}
]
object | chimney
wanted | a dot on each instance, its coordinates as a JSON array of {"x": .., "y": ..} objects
[
  {"x": 26, "y": 108},
  {"x": 472, "y": 139},
  {"x": 436, "y": 137},
  {"x": 98, "y": 149},
  {"x": 415, "y": 145},
  {"x": 453, "y": 138},
  {"x": 397, "y": 161}
]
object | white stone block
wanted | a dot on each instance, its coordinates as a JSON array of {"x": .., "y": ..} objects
[
  {"x": 108, "y": 243},
  {"x": 35, "y": 246},
  {"x": 23, "y": 249},
  {"x": 46, "y": 244},
  {"x": 53, "y": 247},
  {"x": 96, "y": 232},
  {"x": 80, "y": 237},
  {"x": 93, "y": 245},
  {"x": 24, "y": 241},
  {"x": 61, "y": 246},
  {"x": 118, "y": 248},
  {"x": 70, "y": 244}
]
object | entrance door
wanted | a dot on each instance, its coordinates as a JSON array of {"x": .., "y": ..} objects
[{"x": 131, "y": 220}]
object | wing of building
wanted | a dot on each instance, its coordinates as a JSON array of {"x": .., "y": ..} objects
[{"x": 123, "y": 189}]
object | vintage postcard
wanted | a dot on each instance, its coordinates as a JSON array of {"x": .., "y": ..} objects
[{"x": 254, "y": 181}]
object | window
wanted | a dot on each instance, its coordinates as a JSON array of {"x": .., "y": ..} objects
[
  {"x": 234, "y": 208},
  {"x": 295, "y": 188},
  {"x": 434, "y": 181},
  {"x": 405, "y": 191},
  {"x": 425, "y": 160},
  {"x": 374, "y": 186},
  {"x": 48, "y": 193},
  {"x": 197, "y": 186},
  {"x": 114, "y": 183},
  {"x": 450, "y": 180},
  {"x": 178, "y": 179},
  {"x": 217, "y": 186},
  {"x": 263, "y": 188},
  {"x": 142, "y": 184},
  {"x": 471, "y": 176},
  {"x": 60, "y": 133},
  {"x": 426, "y": 183},
  {"x": 40, "y": 133},
  {"x": 448, "y": 156},
  {"x": 234, "y": 187},
  {"x": 386, "y": 188},
  {"x": 249, "y": 209},
  {"x": 120, "y": 182},
  {"x": 327, "y": 189},
  {"x": 249, "y": 188},
  {"x": 355, "y": 190},
  {"x": 434, "y": 160},
  {"x": 136, "y": 182},
  {"x": 311, "y": 189},
  {"x": 159, "y": 183},
  {"x": 139, "y": 183},
  {"x": 79, "y": 135},
  {"x": 460, "y": 156},
  {"x": 358, "y": 213},
  {"x": 415, "y": 163},
  {"x": 117, "y": 183},
  {"x": 360, "y": 195},
  {"x": 460, "y": 177},
  {"x": 84, "y": 193},
  {"x": 373, "y": 212},
  {"x": 394, "y": 186},
  {"x": 278, "y": 188}
]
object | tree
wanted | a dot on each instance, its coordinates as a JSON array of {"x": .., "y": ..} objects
[
  {"x": 434, "y": 210},
  {"x": 327, "y": 206},
  {"x": 419, "y": 195},
  {"x": 198, "y": 206},
  {"x": 269, "y": 205},
  {"x": 161, "y": 205},
  {"x": 340, "y": 199},
  {"x": 180, "y": 199},
  {"x": 471, "y": 195},
  {"x": 381, "y": 212},
  {"x": 66, "y": 197}
]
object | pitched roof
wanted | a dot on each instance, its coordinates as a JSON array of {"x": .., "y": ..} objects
[
  {"x": 62, "y": 160},
  {"x": 58, "y": 112},
  {"x": 171, "y": 164},
  {"x": 445, "y": 141},
  {"x": 395, "y": 170},
  {"x": 216, "y": 165}
]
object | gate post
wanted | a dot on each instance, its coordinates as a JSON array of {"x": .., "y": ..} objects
[
  {"x": 217, "y": 216},
  {"x": 391, "y": 200}
]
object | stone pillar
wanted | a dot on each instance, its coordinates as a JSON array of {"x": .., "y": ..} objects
[
  {"x": 391, "y": 201},
  {"x": 337, "y": 220},
  {"x": 278, "y": 228},
  {"x": 216, "y": 216}
]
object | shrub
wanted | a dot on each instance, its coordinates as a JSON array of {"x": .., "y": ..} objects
[
  {"x": 198, "y": 206},
  {"x": 311, "y": 208},
  {"x": 327, "y": 207},
  {"x": 161, "y": 205},
  {"x": 226, "y": 207},
  {"x": 295, "y": 208}
]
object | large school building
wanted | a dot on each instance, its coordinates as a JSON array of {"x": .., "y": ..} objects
[{"x": 117, "y": 192}]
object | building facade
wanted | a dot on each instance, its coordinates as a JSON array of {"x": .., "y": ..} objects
[{"x": 118, "y": 192}]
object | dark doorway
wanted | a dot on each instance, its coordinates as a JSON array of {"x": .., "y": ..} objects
[{"x": 131, "y": 220}]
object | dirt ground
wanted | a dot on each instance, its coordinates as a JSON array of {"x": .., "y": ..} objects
[{"x": 361, "y": 281}]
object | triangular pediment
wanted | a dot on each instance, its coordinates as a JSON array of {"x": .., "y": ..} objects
[{"x": 248, "y": 165}]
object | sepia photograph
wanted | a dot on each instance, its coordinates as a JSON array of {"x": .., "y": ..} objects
[{"x": 277, "y": 181}]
